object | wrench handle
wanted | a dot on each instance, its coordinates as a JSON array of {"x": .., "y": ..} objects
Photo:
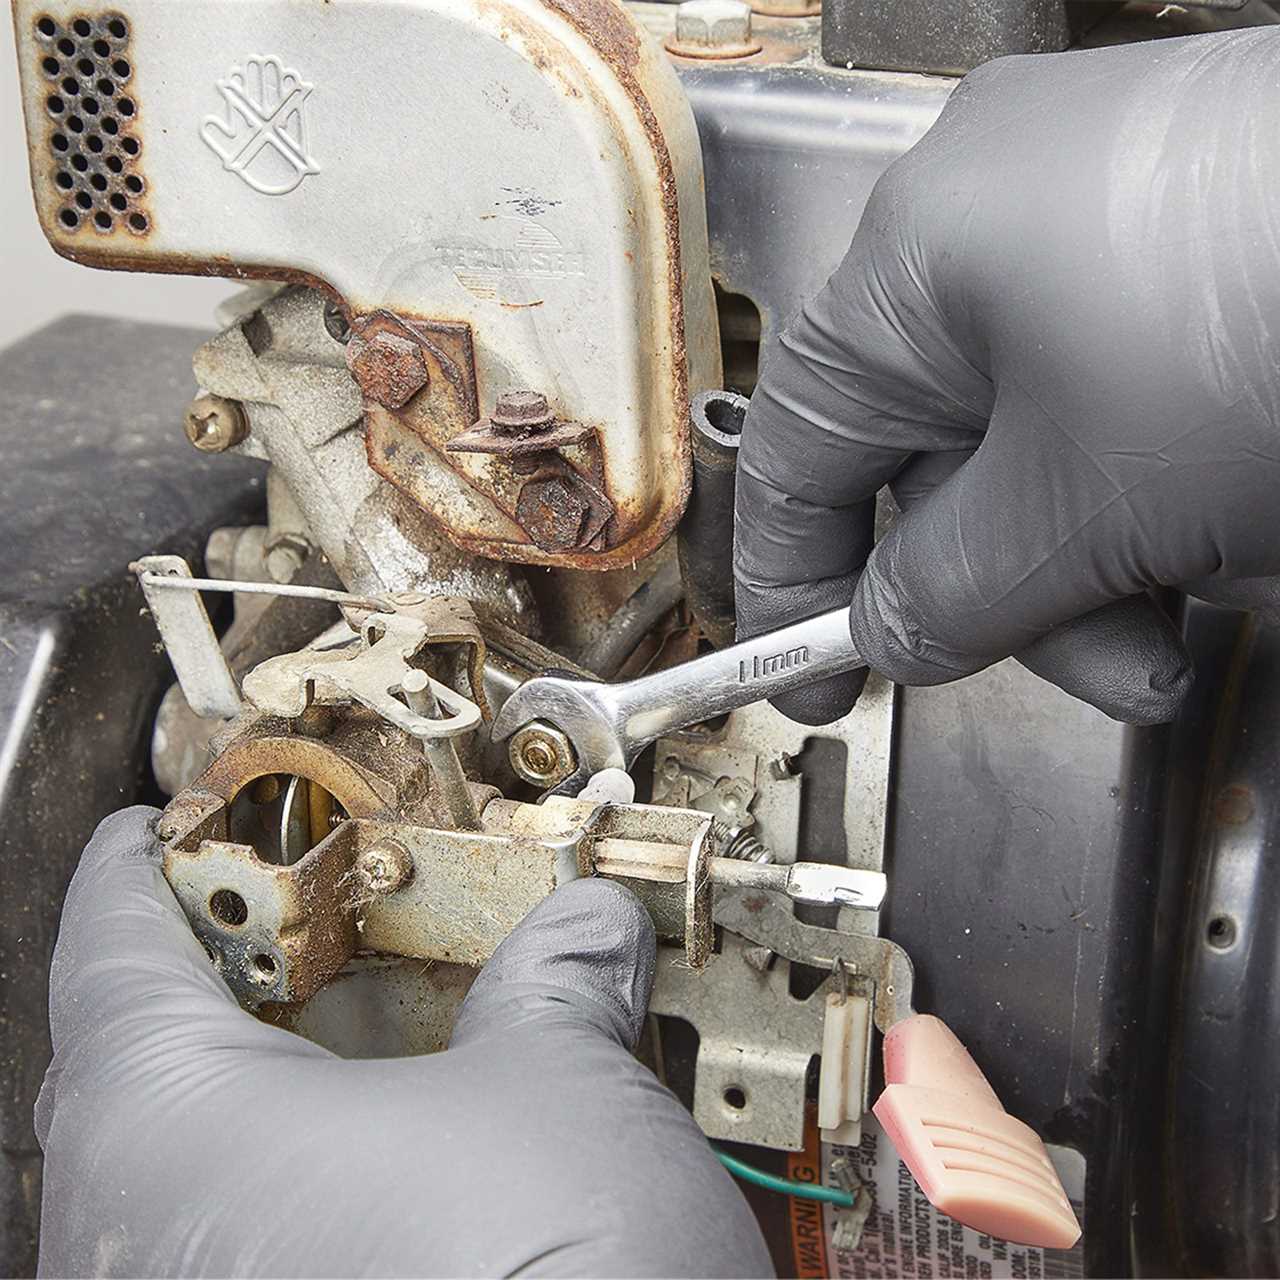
[{"x": 763, "y": 667}]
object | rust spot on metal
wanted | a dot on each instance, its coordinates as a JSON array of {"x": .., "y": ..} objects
[
  {"x": 1234, "y": 805},
  {"x": 552, "y": 514},
  {"x": 389, "y": 367}
]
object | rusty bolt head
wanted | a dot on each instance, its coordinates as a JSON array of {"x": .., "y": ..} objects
[
  {"x": 522, "y": 411},
  {"x": 390, "y": 368},
  {"x": 213, "y": 424},
  {"x": 552, "y": 513},
  {"x": 713, "y": 29},
  {"x": 383, "y": 868},
  {"x": 541, "y": 754}
]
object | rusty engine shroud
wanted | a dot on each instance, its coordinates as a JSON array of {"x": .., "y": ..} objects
[
  {"x": 91, "y": 160},
  {"x": 566, "y": 257}
]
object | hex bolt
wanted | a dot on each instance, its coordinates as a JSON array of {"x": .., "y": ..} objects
[
  {"x": 541, "y": 754},
  {"x": 713, "y": 29},
  {"x": 552, "y": 513},
  {"x": 383, "y": 868},
  {"x": 391, "y": 369},
  {"x": 214, "y": 425}
]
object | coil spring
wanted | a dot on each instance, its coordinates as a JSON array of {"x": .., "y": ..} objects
[{"x": 737, "y": 842}]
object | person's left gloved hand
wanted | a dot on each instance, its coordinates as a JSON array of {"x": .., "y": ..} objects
[{"x": 184, "y": 1137}]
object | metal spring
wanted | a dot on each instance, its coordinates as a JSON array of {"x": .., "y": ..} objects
[{"x": 737, "y": 842}]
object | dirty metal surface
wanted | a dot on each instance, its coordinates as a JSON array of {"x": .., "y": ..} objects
[
  {"x": 274, "y": 933},
  {"x": 278, "y": 358},
  {"x": 86, "y": 161},
  {"x": 755, "y": 1043},
  {"x": 189, "y": 640},
  {"x": 468, "y": 891},
  {"x": 873, "y": 964},
  {"x": 340, "y": 668},
  {"x": 573, "y": 243}
]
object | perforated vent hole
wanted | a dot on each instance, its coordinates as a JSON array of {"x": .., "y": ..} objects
[{"x": 95, "y": 170}]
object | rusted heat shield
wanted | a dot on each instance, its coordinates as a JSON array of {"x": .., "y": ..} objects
[
  {"x": 537, "y": 486},
  {"x": 84, "y": 128},
  {"x": 571, "y": 245}
]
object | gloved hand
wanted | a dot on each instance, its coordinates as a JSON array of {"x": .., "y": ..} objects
[
  {"x": 184, "y": 1137},
  {"x": 1056, "y": 335}
]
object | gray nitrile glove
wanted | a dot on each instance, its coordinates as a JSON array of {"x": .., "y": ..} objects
[
  {"x": 184, "y": 1137},
  {"x": 1056, "y": 335}
]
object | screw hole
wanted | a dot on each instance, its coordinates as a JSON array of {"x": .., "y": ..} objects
[
  {"x": 735, "y": 1098},
  {"x": 1221, "y": 933},
  {"x": 228, "y": 907},
  {"x": 264, "y": 967}
]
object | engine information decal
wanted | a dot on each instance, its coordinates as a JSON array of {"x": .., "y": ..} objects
[{"x": 904, "y": 1236}]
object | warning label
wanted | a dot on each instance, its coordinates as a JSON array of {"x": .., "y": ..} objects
[{"x": 904, "y": 1236}]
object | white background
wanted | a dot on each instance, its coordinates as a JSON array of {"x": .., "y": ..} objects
[{"x": 35, "y": 284}]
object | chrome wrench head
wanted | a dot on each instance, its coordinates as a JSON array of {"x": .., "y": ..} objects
[{"x": 582, "y": 710}]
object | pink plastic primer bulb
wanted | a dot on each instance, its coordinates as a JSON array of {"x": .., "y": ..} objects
[{"x": 973, "y": 1160}]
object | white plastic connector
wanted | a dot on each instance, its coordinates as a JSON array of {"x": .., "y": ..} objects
[{"x": 846, "y": 1064}]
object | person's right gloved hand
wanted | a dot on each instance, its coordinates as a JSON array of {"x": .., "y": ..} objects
[{"x": 1056, "y": 335}]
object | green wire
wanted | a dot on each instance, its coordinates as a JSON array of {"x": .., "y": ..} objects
[{"x": 771, "y": 1182}]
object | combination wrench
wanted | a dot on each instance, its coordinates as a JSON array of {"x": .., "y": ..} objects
[{"x": 608, "y": 725}]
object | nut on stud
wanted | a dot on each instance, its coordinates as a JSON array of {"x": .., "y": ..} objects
[
  {"x": 541, "y": 754},
  {"x": 521, "y": 411},
  {"x": 384, "y": 868},
  {"x": 214, "y": 425},
  {"x": 713, "y": 29}
]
